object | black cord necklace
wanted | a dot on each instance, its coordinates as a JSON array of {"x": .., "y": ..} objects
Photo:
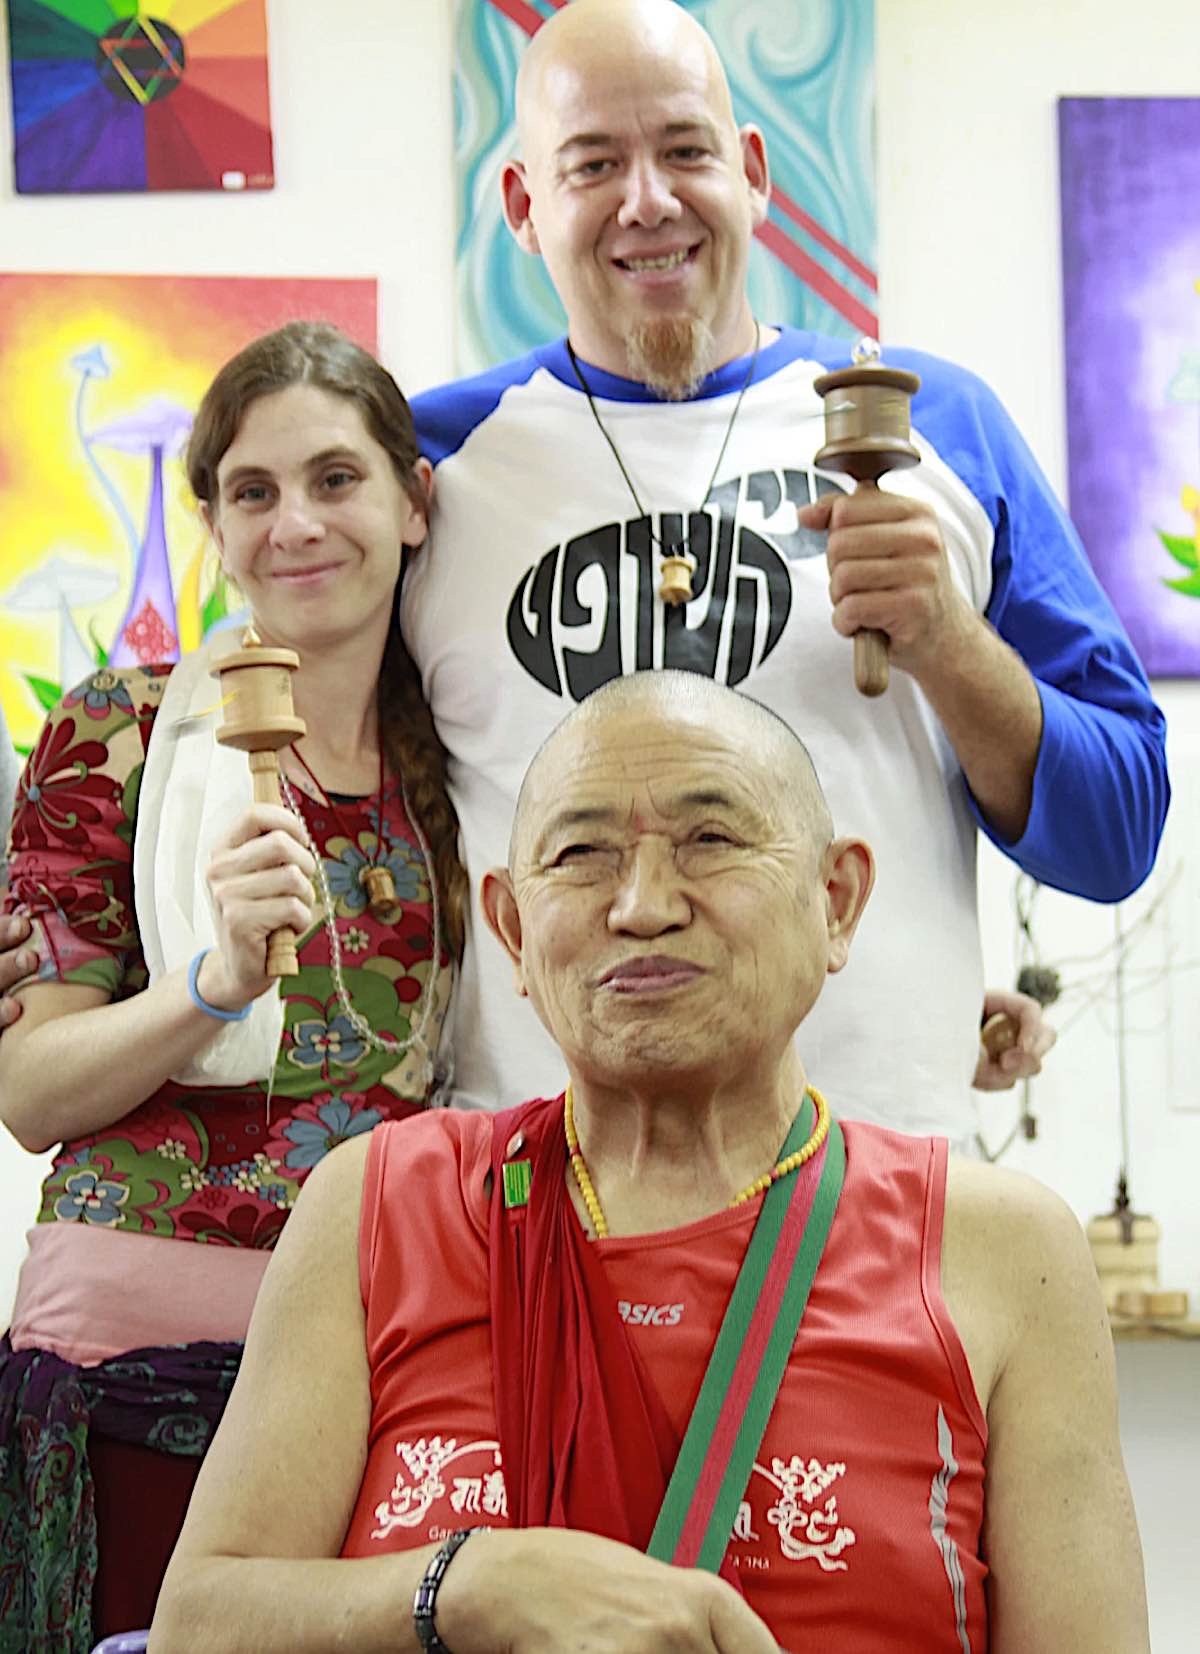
[{"x": 677, "y": 565}]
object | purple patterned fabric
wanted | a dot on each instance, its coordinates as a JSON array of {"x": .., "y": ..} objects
[{"x": 170, "y": 1399}]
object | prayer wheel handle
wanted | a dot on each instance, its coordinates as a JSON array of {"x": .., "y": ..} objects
[
  {"x": 867, "y": 434},
  {"x": 256, "y": 686}
]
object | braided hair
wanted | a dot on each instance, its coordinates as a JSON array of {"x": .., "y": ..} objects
[{"x": 314, "y": 353}]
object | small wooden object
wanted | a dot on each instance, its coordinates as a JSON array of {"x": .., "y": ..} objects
[
  {"x": 256, "y": 687},
  {"x": 676, "y": 584},
  {"x": 1124, "y": 1247},
  {"x": 998, "y": 1034},
  {"x": 867, "y": 434},
  {"x": 1152, "y": 1306},
  {"x": 381, "y": 889}
]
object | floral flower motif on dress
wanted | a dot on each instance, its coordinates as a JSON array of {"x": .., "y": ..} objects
[
  {"x": 100, "y": 694},
  {"x": 249, "y": 1224},
  {"x": 355, "y": 940},
  {"x": 319, "y": 1125},
  {"x": 320, "y": 1043},
  {"x": 809, "y": 1527},
  {"x": 57, "y": 798},
  {"x": 345, "y": 864},
  {"x": 91, "y": 1198}
]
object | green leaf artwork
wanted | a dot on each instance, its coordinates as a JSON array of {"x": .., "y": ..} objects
[
  {"x": 48, "y": 694},
  {"x": 1182, "y": 548}
]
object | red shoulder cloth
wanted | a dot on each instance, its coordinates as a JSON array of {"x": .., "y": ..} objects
[{"x": 585, "y": 1439}]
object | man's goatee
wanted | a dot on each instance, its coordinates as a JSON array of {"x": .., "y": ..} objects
[{"x": 671, "y": 354}]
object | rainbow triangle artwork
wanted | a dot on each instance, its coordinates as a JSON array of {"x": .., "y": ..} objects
[{"x": 113, "y": 95}]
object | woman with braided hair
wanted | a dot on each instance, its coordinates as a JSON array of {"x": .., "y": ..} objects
[{"x": 187, "y": 1100}]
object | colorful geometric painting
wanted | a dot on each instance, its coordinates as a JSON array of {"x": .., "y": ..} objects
[
  {"x": 117, "y": 95},
  {"x": 803, "y": 73},
  {"x": 103, "y": 557},
  {"x": 1131, "y": 297}
]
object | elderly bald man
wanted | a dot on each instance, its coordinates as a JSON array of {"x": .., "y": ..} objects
[
  {"x": 671, "y": 414},
  {"x": 505, "y": 1322}
]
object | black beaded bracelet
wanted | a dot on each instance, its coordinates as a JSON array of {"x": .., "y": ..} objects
[{"x": 425, "y": 1601}]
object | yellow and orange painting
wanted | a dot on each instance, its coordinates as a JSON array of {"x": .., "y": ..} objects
[{"x": 103, "y": 557}]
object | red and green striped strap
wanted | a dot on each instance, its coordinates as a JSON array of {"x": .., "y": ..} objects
[{"x": 748, "y": 1361}]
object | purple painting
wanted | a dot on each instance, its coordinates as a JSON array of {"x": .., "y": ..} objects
[{"x": 1131, "y": 296}]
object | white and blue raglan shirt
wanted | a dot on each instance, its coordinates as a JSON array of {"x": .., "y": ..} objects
[{"x": 540, "y": 583}]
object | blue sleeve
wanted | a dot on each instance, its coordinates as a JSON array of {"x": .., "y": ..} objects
[
  {"x": 1100, "y": 788},
  {"x": 446, "y": 416}
]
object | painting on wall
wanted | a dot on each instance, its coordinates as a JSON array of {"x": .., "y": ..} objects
[
  {"x": 103, "y": 558},
  {"x": 115, "y": 95},
  {"x": 803, "y": 74},
  {"x": 1131, "y": 296}
]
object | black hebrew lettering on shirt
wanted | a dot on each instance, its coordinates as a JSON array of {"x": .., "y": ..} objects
[{"x": 588, "y": 610}]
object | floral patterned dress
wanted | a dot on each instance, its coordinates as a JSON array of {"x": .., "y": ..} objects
[{"x": 222, "y": 1166}]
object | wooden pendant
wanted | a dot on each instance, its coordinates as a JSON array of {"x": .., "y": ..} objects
[
  {"x": 381, "y": 889},
  {"x": 676, "y": 586}
]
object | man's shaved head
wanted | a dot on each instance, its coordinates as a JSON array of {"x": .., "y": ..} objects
[
  {"x": 638, "y": 189},
  {"x": 602, "y": 34},
  {"x": 643, "y": 700},
  {"x": 675, "y": 897}
]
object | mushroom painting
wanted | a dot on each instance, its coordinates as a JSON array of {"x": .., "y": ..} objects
[
  {"x": 104, "y": 561},
  {"x": 62, "y": 586},
  {"x": 147, "y": 630}
]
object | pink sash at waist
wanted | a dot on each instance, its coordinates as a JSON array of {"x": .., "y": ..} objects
[{"x": 88, "y": 1294}]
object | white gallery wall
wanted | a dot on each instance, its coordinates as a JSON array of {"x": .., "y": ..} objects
[{"x": 969, "y": 268}]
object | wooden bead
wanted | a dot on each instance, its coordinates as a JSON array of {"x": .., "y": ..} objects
[{"x": 676, "y": 585}]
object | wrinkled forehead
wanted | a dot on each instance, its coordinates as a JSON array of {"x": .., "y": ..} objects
[{"x": 646, "y": 767}]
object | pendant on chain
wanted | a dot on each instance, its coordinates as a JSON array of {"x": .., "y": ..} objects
[
  {"x": 678, "y": 566},
  {"x": 676, "y": 585},
  {"x": 381, "y": 889}
]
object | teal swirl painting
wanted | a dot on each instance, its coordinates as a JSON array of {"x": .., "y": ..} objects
[{"x": 801, "y": 70}]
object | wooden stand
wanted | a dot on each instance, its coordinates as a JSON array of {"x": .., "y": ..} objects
[
  {"x": 1124, "y": 1246},
  {"x": 256, "y": 685},
  {"x": 867, "y": 434}
]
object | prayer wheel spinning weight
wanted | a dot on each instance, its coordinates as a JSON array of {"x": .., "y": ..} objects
[
  {"x": 867, "y": 434},
  {"x": 256, "y": 685}
]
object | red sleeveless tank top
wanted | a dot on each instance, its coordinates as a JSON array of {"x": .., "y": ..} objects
[{"x": 859, "y": 1531}]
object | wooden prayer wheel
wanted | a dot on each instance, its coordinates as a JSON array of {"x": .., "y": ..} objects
[
  {"x": 867, "y": 434},
  {"x": 256, "y": 688},
  {"x": 998, "y": 1034}
]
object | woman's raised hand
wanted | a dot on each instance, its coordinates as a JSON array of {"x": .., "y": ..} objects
[
  {"x": 552, "y": 1590},
  {"x": 260, "y": 879}
]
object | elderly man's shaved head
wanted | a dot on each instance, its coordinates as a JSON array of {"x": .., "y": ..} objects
[
  {"x": 646, "y": 706},
  {"x": 638, "y": 189}
]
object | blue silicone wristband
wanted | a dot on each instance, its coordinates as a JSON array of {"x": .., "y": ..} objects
[{"x": 202, "y": 1004}]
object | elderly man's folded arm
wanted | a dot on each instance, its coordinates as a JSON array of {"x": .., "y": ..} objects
[
  {"x": 279, "y": 1482},
  {"x": 246, "y": 1579}
]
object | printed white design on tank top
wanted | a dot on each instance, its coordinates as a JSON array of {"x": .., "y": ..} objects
[
  {"x": 809, "y": 1527},
  {"x": 650, "y": 1315},
  {"x": 420, "y": 1482}
]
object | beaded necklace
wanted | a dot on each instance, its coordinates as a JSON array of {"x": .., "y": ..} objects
[
  {"x": 419, "y": 1024},
  {"x": 781, "y": 1168},
  {"x": 374, "y": 876}
]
